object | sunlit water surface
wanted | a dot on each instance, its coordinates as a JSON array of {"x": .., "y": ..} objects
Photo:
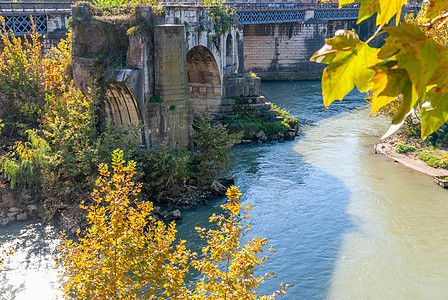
[{"x": 345, "y": 223}]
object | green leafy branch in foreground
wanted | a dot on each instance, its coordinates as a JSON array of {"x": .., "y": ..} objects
[{"x": 410, "y": 64}]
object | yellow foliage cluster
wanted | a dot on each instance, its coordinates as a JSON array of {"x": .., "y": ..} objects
[
  {"x": 21, "y": 74},
  {"x": 126, "y": 254},
  {"x": 438, "y": 32}
]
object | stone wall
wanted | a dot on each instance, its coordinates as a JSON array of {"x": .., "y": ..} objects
[
  {"x": 282, "y": 51},
  {"x": 142, "y": 75}
]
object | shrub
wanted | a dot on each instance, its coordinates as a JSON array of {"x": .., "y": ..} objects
[
  {"x": 21, "y": 79},
  {"x": 22, "y": 167},
  {"x": 126, "y": 254},
  {"x": 403, "y": 147},
  {"x": 163, "y": 169},
  {"x": 440, "y": 136},
  {"x": 213, "y": 142},
  {"x": 434, "y": 159}
]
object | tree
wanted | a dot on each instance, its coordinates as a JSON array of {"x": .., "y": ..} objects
[
  {"x": 410, "y": 63},
  {"x": 126, "y": 254}
]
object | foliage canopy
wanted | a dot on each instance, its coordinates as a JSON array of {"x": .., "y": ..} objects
[
  {"x": 411, "y": 64},
  {"x": 126, "y": 254}
]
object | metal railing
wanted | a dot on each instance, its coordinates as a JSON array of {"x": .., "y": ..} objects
[
  {"x": 12, "y": 7},
  {"x": 287, "y": 5}
]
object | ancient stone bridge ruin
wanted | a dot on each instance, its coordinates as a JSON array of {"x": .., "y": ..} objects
[{"x": 159, "y": 70}]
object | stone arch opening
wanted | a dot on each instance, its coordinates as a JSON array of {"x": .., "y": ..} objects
[
  {"x": 204, "y": 79},
  {"x": 229, "y": 51},
  {"x": 121, "y": 106}
]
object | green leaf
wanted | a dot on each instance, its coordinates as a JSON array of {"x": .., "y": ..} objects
[
  {"x": 367, "y": 9},
  {"x": 345, "y": 2},
  {"x": 388, "y": 9},
  {"x": 435, "y": 8},
  {"x": 385, "y": 10},
  {"x": 434, "y": 112},
  {"x": 349, "y": 60},
  {"x": 416, "y": 53}
]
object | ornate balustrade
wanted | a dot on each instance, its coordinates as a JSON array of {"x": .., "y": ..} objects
[{"x": 47, "y": 16}]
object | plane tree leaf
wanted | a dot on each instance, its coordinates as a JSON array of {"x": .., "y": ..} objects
[
  {"x": 435, "y": 8},
  {"x": 367, "y": 9},
  {"x": 434, "y": 112},
  {"x": 388, "y": 9},
  {"x": 426, "y": 65},
  {"x": 415, "y": 52},
  {"x": 345, "y": 2},
  {"x": 410, "y": 64},
  {"x": 348, "y": 62}
]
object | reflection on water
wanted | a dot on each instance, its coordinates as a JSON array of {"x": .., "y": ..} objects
[{"x": 345, "y": 223}]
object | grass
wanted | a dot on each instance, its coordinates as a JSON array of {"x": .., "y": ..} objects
[
  {"x": 251, "y": 125},
  {"x": 434, "y": 158},
  {"x": 403, "y": 147}
]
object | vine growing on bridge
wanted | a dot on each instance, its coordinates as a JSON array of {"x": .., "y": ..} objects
[
  {"x": 411, "y": 64},
  {"x": 221, "y": 15}
]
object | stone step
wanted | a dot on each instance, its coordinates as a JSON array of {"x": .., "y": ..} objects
[
  {"x": 231, "y": 108},
  {"x": 228, "y": 101},
  {"x": 259, "y": 113}
]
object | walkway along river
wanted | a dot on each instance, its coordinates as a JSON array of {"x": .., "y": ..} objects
[{"x": 345, "y": 223}]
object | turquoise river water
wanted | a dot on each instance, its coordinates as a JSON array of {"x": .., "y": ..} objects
[{"x": 345, "y": 223}]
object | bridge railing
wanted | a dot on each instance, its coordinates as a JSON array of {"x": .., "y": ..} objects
[
  {"x": 18, "y": 7},
  {"x": 287, "y": 5}
]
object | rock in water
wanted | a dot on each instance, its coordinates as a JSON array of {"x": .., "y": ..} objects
[
  {"x": 217, "y": 188},
  {"x": 261, "y": 136},
  {"x": 173, "y": 215}
]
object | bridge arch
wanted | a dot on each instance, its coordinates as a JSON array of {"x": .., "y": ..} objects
[
  {"x": 204, "y": 78},
  {"x": 230, "y": 53},
  {"x": 121, "y": 106}
]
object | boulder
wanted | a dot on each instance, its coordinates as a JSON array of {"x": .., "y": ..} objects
[
  {"x": 261, "y": 136},
  {"x": 227, "y": 181},
  {"x": 22, "y": 216},
  {"x": 217, "y": 188},
  {"x": 4, "y": 222},
  {"x": 14, "y": 209},
  {"x": 12, "y": 214},
  {"x": 173, "y": 215},
  {"x": 32, "y": 210},
  {"x": 246, "y": 141},
  {"x": 290, "y": 135}
]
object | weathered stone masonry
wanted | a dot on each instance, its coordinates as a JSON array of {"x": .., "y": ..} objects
[
  {"x": 281, "y": 51},
  {"x": 172, "y": 66}
]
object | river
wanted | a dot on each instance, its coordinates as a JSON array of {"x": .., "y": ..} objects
[{"x": 345, "y": 223}]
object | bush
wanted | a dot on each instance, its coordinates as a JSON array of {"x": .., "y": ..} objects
[
  {"x": 434, "y": 159},
  {"x": 440, "y": 136},
  {"x": 213, "y": 142},
  {"x": 403, "y": 147},
  {"x": 22, "y": 167},
  {"x": 21, "y": 80},
  {"x": 126, "y": 254},
  {"x": 163, "y": 169}
]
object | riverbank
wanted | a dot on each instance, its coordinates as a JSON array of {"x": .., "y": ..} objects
[{"x": 409, "y": 159}]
